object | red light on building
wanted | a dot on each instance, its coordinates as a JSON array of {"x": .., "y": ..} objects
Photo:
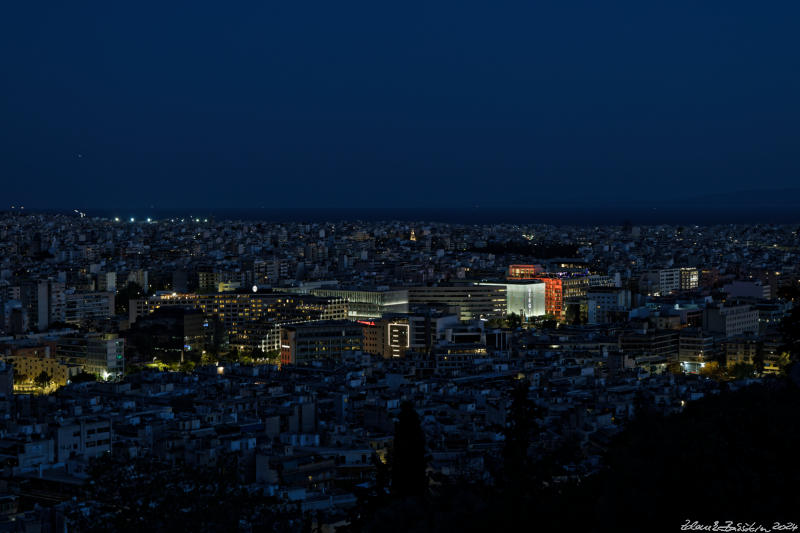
[{"x": 553, "y": 296}]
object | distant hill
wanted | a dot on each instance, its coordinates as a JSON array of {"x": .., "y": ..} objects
[{"x": 761, "y": 197}]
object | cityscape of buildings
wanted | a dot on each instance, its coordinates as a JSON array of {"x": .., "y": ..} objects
[{"x": 292, "y": 347}]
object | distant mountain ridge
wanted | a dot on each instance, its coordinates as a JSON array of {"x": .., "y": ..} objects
[{"x": 762, "y": 197}]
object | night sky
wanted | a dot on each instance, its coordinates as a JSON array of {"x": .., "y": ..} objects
[{"x": 202, "y": 104}]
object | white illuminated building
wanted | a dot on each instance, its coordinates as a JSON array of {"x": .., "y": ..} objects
[{"x": 524, "y": 298}]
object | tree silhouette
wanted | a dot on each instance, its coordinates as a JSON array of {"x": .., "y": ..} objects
[
  {"x": 758, "y": 360},
  {"x": 408, "y": 455},
  {"x": 790, "y": 332},
  {"x": 731, "y": 455},
  {"x": 549, "y": 322},
  {"x": 43, "y": 379},
  {"x": 124, "y": 296},
  {"x": 519, "y": 424},
  {"x": 743, "y": 370},
  {"x": 513, "y": 320},
  {"x": 83, "y": 377}
]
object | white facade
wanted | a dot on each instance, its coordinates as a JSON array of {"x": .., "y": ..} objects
[
  {"x": 730, "y": 321},
  {"x": 601, "y": 303},
  {"x": 525, "y": 299}
]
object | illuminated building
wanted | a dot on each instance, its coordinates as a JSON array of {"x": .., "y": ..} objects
[
  {"x": 668, "y": 280},
  {"x": 99, "y": 354},
  {"x": 367, "y": 303},
  {"x": 740, "y": 350},
  {"x": 525, "y": 298},
  {"x": 228, "y": 286},
  {"x": 388, "y": 337},
  {"x": 558, "y": 288},
  {"x": 695, "y": 348},
  {"x": 572, "y": 282},
  {"x": 252, "y": 320},
  {"x": 473, "y": 301},
  {"x": 553, "y": 296},
  {"x": 524, "y": 271},
  {"x": 450, "y": 358},
  {"x": 30, "y": 361},
  {"x": 324, "y": 341},
  {"x": 690, "y": 278}
]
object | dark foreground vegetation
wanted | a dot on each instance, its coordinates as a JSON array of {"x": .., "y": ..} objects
[{"x": 734, "y": 456}]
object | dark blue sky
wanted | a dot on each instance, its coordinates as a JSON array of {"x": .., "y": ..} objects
[{"x": 408, "y": 103}]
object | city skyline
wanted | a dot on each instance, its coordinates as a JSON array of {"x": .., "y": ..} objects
[
  {"x": 267, "y": 374},
  {"x": 399, "y": 267}
]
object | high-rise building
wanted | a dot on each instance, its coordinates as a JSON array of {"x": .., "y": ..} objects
[{"x": 44, "y": 302}]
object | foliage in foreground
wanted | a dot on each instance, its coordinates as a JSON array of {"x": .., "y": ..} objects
[{"x": 733, "y": 456}]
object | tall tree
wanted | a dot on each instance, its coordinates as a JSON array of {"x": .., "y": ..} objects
[
  {"x": 518, "y": 474},
  {"x": 790, "y": 331},
  {"x": 519, "y": 424},
  {"x": 408, "y": 455}
]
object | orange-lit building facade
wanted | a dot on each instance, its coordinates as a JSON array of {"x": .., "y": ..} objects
[
  {"x": 524, "y": 271},
  {"x": 558, "y": 287},
  {"x": 553, "y": 296}
]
